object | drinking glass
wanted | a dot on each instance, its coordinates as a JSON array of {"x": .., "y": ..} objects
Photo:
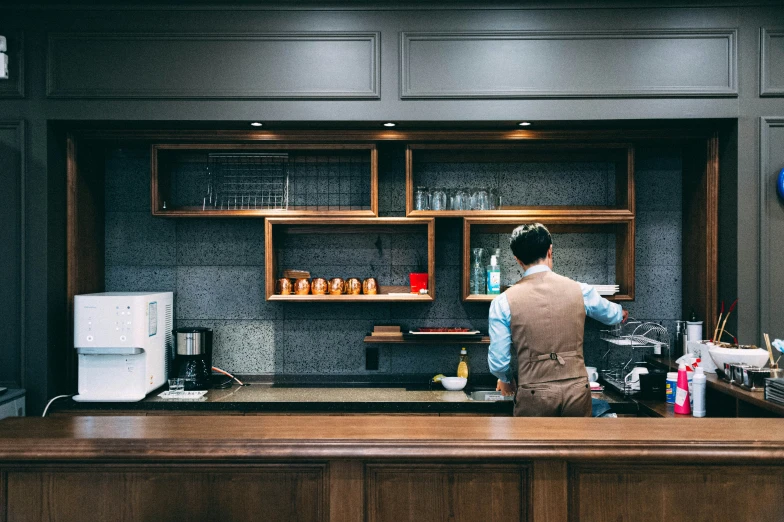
[
  {"x": 494, "y": 200},
  {"x": 438, "y": 199},
  {"x": 422, "y": 199},
  {"x": 481, "y": 200},
  {"x": 177, "y": 385},
  {"x": 461, "y": 200}
]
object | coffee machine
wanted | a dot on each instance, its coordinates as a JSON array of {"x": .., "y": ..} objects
[{"x": 193, "y": 357}]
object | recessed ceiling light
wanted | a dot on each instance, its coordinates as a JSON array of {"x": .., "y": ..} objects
[
  {"x": 256, "y": 124},
  {"x": 389, "y": 124},
  {"x": 524, "y": 123}
]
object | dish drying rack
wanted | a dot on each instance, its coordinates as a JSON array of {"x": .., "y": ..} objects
[
  {"x": 247, "y": 181},
  {"x": 635, "y": 335}
]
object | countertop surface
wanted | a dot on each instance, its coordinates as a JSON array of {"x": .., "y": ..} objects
[{"x": 290, "y": 398}]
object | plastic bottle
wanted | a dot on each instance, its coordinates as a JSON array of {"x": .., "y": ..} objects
[
  {"x": 682, "y": 402},
  {"x": 671, "y": 385},
  {"x": 493, "y": 276},
  {"x": 698, "y": 387},
  {"x": 462, "y": 367}
]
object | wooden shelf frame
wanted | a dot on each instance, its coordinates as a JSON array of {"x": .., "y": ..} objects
[
  {"x": 622, "y": 154},
  {"x": 397, "y": 340},
  {"x": 159, "y": 178},
  {"x": 624, "y": 245},
  {"x": 274, "y": 226}
]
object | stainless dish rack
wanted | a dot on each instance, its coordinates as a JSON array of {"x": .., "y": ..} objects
[
  {"x": 635, "y": 336},
  {"x": 247, "y": 181}
]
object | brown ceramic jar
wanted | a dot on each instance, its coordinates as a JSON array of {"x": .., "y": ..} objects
[
  {"x": 370, "y": 286},
  {"x": 353, "y": 286},
  {"x": 336, "y": 286},
  {"x": 302, "y": 287},
  {"x": 319, "y": 286},
  {"x": 283, "y": 286}
]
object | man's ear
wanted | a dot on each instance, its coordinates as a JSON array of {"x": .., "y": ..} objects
[{"x": 550, "y": 252}]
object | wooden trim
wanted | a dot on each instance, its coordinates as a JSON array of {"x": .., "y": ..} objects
[
  {"x": 348, "y": 225},
  {"x": 158, "y": 179},
  {"x": 55, "y": 42},
  {"x": 550, "y": 492},
  {"x": 624, "y": 248},
  {"x": 398, "y": 340},
  {"x": 766, "y": 293},
  {"x": 767, "y": 90},
  {"x": 728, "y": 90},
  {"x": 544, "y": 151},
  {"x": 517, "y": 135},
  {"x": 346, "y": 491}
]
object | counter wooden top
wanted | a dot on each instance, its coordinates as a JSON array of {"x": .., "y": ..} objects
[{"x": 230, "y": 438}]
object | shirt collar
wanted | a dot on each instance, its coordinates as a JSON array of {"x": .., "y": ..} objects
[{"x": 536, "y": 269}]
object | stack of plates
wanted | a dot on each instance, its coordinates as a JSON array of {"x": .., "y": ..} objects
[
  {"x": 607, "y": 289},
  {"x": 774, "y": 390}
]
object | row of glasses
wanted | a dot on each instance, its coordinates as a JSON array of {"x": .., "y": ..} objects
[{"x": 476, "y": 198}]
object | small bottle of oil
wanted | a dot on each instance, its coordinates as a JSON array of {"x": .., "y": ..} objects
[{"x": 462, "y": 368}]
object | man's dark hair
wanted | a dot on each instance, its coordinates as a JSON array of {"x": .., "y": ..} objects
[{"x": 530, "y": 242}]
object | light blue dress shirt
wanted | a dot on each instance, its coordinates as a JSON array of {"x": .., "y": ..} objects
[{"x": 500, "y": 323}]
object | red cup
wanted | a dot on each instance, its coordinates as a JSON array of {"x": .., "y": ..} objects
[{"x": 418, "y": 281}]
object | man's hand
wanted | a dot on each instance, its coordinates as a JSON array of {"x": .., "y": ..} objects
[
  {"x": 507, "y": 389},
  {"x": 625, "y": 316}
]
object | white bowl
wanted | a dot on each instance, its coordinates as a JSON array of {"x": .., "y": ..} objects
[
  {"x": 454, "y": 383},
  {"x": 754, "y": 357}
]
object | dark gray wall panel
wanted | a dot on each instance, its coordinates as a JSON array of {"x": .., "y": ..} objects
[
  {"x": 772, "y": 230},
  {"x": 14, "y": 86},
  {"x": 523, "y": 64},
  {"x": 291, "y": 65},
  {"x": 11, "y": 251},
  {"x": 771, "y": 62}
]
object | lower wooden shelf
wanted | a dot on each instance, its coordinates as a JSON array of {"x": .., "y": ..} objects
[
  {"x": 353, "y": 298},
  {"x": 484, "y": 298},
  {"x": 399, "y": 340}
]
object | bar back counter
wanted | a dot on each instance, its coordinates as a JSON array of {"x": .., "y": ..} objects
[{"x": 390, "y": 468}]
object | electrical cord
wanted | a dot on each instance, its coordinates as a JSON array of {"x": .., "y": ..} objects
[
  {"x": 224, "y": 372},
  {"x": 51, "y": 401}
]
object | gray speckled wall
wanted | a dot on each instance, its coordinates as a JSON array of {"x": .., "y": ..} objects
[{"x": 216, "y": 269}]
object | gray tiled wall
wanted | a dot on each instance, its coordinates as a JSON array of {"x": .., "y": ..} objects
[{"x": 216, "y": 269}]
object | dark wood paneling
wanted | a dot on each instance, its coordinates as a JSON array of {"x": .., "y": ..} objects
[
  {"x": 267, "y": 492},
  {"x": 772, "y": 227},
  {"x": 14, "y": 86},
  {"x": 448, "y": 493},
  {"x": 309, "y": 65},
  {"x": 700, "y": 232},
  {"x": 520, "y": 64},
  {"x": 550, "y": 491},
  {"x": 654, "y": 493},
  {"x": 771, "y": 62},
  {"x": 12, "y": 178}
]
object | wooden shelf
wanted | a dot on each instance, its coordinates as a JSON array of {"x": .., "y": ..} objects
[
  {"x": 622, "y": 228},
  {"x": 621, "y": 155},
  {"x": 326, "y": 193},
  {"x": 397, "y": 340},
  {"x": 277, "y": 227}
]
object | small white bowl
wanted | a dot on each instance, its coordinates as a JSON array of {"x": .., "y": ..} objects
[
  {"x": 454, "y": 383},
  {"x": 758, "y": 357}
]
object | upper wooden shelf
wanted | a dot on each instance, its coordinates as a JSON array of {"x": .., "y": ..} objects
[
  {"x": 278, "y": 231},
  {"x": 620, "y": 246},
  {"x": 264, "y": 179},
  {"x": 530, "y": 179}
]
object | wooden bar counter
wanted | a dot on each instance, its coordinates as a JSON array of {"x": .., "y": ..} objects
[{"x": 379, "y": 468}]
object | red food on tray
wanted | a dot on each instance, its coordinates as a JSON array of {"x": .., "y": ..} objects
[{"x": 450, "y": 329}]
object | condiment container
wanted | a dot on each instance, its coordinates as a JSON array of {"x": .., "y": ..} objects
[
  {"x": 336, "y": 286},
  {"x": 670, "y": 385},
  {"x": 353, "y": 286}
]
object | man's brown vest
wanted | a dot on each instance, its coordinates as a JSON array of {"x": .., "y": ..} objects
[{"x": 548, "y": 321}]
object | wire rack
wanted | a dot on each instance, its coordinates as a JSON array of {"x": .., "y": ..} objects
[
  {"x": 636, "y": 336},
  {"x": 247, "y": 180},
  {"x": 330, "y": 181}
]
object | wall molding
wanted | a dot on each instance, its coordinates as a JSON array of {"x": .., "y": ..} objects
[
  {"x": 766, "y": 89},
  {"x": 409, "y": 90},
  {"x": 14, "y": 87},
  {"x": 19, "y": 127},
  {"x": 188, "y": 83},
  {"x": 766, "y": 125}
]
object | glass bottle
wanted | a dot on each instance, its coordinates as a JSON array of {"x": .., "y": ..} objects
[{"x": 477, "y": 272}]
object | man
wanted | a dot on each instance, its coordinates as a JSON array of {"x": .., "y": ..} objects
[{"x": 543, "y": 318}]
